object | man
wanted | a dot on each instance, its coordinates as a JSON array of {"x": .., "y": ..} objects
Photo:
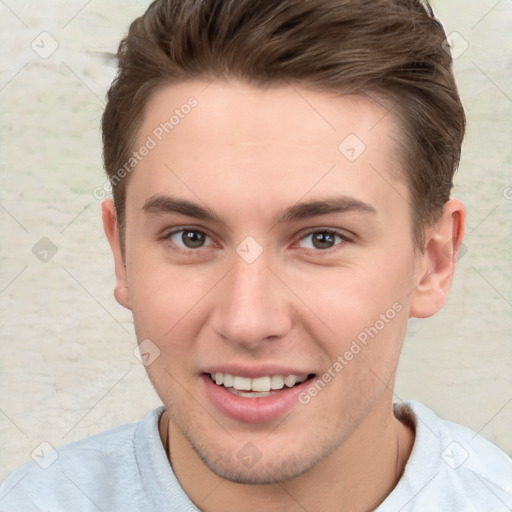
[{"x": 281, "y": 174}]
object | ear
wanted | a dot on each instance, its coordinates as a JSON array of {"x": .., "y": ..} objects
[
  {"x": 437, "y": 263},
  {"x": 111, "y": 227}
]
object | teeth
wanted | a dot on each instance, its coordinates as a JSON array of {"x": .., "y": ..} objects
[
  {"x": 259, "y": 384},
  {"x": 242, "y": 383},
  {"x": 277, "y": 382},
  {"x": 290, "y": 380}
]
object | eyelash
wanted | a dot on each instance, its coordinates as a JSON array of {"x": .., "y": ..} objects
[{"x": 329, "y": 231}]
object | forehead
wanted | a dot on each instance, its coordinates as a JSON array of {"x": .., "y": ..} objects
[{"x": 256, "y": 147}]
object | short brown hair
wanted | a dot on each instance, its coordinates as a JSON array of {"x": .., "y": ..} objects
[{"x": 394, "y": 50}]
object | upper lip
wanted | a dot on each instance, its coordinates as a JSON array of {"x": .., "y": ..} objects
[{"x": 253, "y": 372}]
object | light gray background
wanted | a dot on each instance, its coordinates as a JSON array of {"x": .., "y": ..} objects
[{"x": 67, "y": 368}]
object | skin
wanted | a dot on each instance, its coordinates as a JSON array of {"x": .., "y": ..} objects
[{"x": 248, "y": 154}]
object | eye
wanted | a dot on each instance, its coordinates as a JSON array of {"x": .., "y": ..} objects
[
  {"x": 322, "y": 239},
  {"x": 188, "y": 239}
]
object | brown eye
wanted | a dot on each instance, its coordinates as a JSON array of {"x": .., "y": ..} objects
[
  {"x": 188, "y": 238},
  {"x": 193, "y": 239},
  {"x": 322, "y": 239}
]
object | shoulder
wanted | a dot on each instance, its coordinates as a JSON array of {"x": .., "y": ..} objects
[
  {"x": 465, "y": 450},
  {"x": 451, "y": 467},
  {"x": 78, "y": 473}
]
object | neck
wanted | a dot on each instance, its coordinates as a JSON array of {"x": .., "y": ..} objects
[{"x": 357, "y": 476}]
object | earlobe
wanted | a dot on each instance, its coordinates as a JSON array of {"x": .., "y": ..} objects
[
  {"x": 111, "y": 227},
  {"x": 437, "y": 263}
]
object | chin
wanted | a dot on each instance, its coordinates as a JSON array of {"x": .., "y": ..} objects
[
  {"x": 260, "y": 474},
  {"x": 263, "y": 468}
]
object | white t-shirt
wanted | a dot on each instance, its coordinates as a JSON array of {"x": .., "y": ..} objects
[{"x": 126, "y": 469}]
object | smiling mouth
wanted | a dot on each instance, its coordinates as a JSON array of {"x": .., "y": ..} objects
[{"x": 258, "y": 387}]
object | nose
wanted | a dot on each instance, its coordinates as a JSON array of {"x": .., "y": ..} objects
[{"x": 252, "y": 305}]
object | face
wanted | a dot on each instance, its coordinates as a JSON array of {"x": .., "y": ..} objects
[{"x": 263, "y": 248}]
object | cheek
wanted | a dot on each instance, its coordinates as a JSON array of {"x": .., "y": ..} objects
[
  {"x": 362, "y": 363},
  {"x": 163, "y": 295},
  {"x": 170, "y": 307},
  {"x": 346, "y": 300}
]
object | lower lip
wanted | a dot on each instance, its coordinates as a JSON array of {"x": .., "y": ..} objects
[{"x": 253, "y": 410}]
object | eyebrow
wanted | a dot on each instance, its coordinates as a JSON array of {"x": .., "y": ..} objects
[
  {"x": 160, "y": 204},
  {"x": 306, "y": 210}
]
